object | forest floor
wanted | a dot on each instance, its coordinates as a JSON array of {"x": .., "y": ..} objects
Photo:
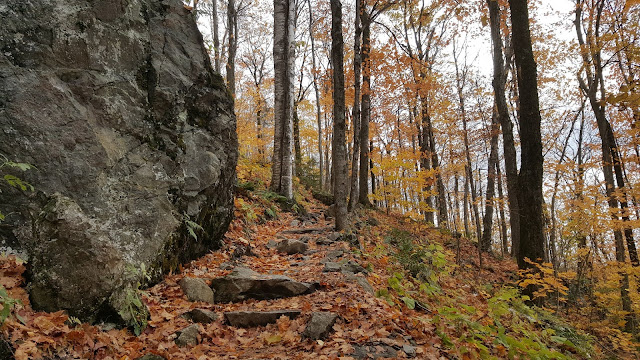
[{"x": 429, "y": 299}]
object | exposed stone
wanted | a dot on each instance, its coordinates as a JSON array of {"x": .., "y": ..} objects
[
  {"x": 196, "y": 289},
  {"x": 116, "y": 103},
  {"x": 347, "y": 267},
  {"x": 294, "y": 223},
  {"x": 334, "y": 254},
  {"x": 202, "y": 316},
  {"x": 324, "y": 241},
  {"x": 374, "y": 351},
  {"x": 151, "y": 357},
  {"x": 291, "y": 246},
  {"x": 362, "y": 281},
  {"x": 226, "y": 266},
  {"x": 351, "y": 239},
  {"x": 409, "y": 350},
  {"x": 188, "y": 336},
  {"x": 332, "y": 267},
  {"x": 244, "y": 283},
  {"x": 320, "y": 325},
  {"x": 334, "y": 236},
  {"x": 257, "y": 318},
  {"x": 352, "y": 267},
  {"x": 272, "y": 244}
]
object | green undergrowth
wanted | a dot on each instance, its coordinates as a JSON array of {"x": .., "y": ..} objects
[{"x": 472, "y": 320}]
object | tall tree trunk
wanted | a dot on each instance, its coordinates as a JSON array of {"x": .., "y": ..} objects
[
  {"x": 465, "y": 203},
  {"x": 455, "y": 202},
  {"x": 317, "y": 92},
  {"x": 282, "y": 169},
  {"x": 373, "y": 176},
  {"x": 216, "y": 39},
  {"x": 296, "y": 140},
  {"x": 485, "y": 244},
  {"x": 503, "y": 223},
  {"x": 232, "y": 28},
  {"x": 340, "y": 172},
  {"x": 531, "y": 170},
  {"x": 365, "y": 115},
  {"x": 425, "y": 150},
  {"x": 357, "y": 65},
  {"x": 508, "y": 142},
  {"x": 435, "y": 163}
]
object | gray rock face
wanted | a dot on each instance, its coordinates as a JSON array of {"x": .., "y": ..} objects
[
  {"x": 257, "y": 318},
  {"x": 115, "y": 102},
  {"x": 291, "y": 246},
  {"x": 196, "y": 289},
  {"x": 244, "y": 283},
  {"x": 188, "y": 336},
  {"x": 320, "y": 325}
]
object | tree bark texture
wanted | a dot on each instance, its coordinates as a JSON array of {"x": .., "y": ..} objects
[
  {"x": 530, "y": 177},
  {"x": 508, "y": 142},
  {"x": 282, "y": 170},
  {"x": 339, "y": 124}
]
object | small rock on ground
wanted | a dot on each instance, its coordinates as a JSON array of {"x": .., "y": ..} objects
[
  {"x": 271, "y": 244},
  {"x": 331, "y": 267},
  {"x": 257, "y": 318},
  {"x": 324, "y": 241},
  {"x": 290, "y": 247},
  {"x": 374, "y": 351},
  {"x": 409, "y": 350},
  {"x": 196, "y": 289},
  {"x": 188, "y": 335},
  {"x": 372, "y": 221},
  {"x": 348, "y": 267},
  {"x": 362, "y": 281},
  {"x": 202, "y": 316},
  {"x": 320, "y": 325},
  {"x": 151, "y": 357}
]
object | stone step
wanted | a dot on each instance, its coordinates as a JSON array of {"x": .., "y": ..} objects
[
  {"x": 245, "y": 283},
  {"x": 257, "y": 318}
]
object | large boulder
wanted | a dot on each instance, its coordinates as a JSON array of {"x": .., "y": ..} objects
[{"x": 133, "y": 136}]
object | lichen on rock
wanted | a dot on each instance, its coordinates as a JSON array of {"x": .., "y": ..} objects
[{"x": 116, "y": 103}]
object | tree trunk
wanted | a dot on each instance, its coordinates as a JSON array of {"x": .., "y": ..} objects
[
  {"x": 232, "y": 28},
  {"x": 296, "y": 140},
  {"x": 340, "y": 172},
  {"x": 442, "y": 194},
  {"x": 216, "y": 39},
  {"x": 281, "y": 179},
  {"x": 503, "y": 224},
  {"x": 357, "y": 65},
  {"x": 485, "y": 244},
  {"x": 465, "y": 203},
  {"x": 316, "y": 90},
  {"x": 531, "y": 170},
  {"x": 508, "y": 142},
  {"x": 365, "y": 115}
]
